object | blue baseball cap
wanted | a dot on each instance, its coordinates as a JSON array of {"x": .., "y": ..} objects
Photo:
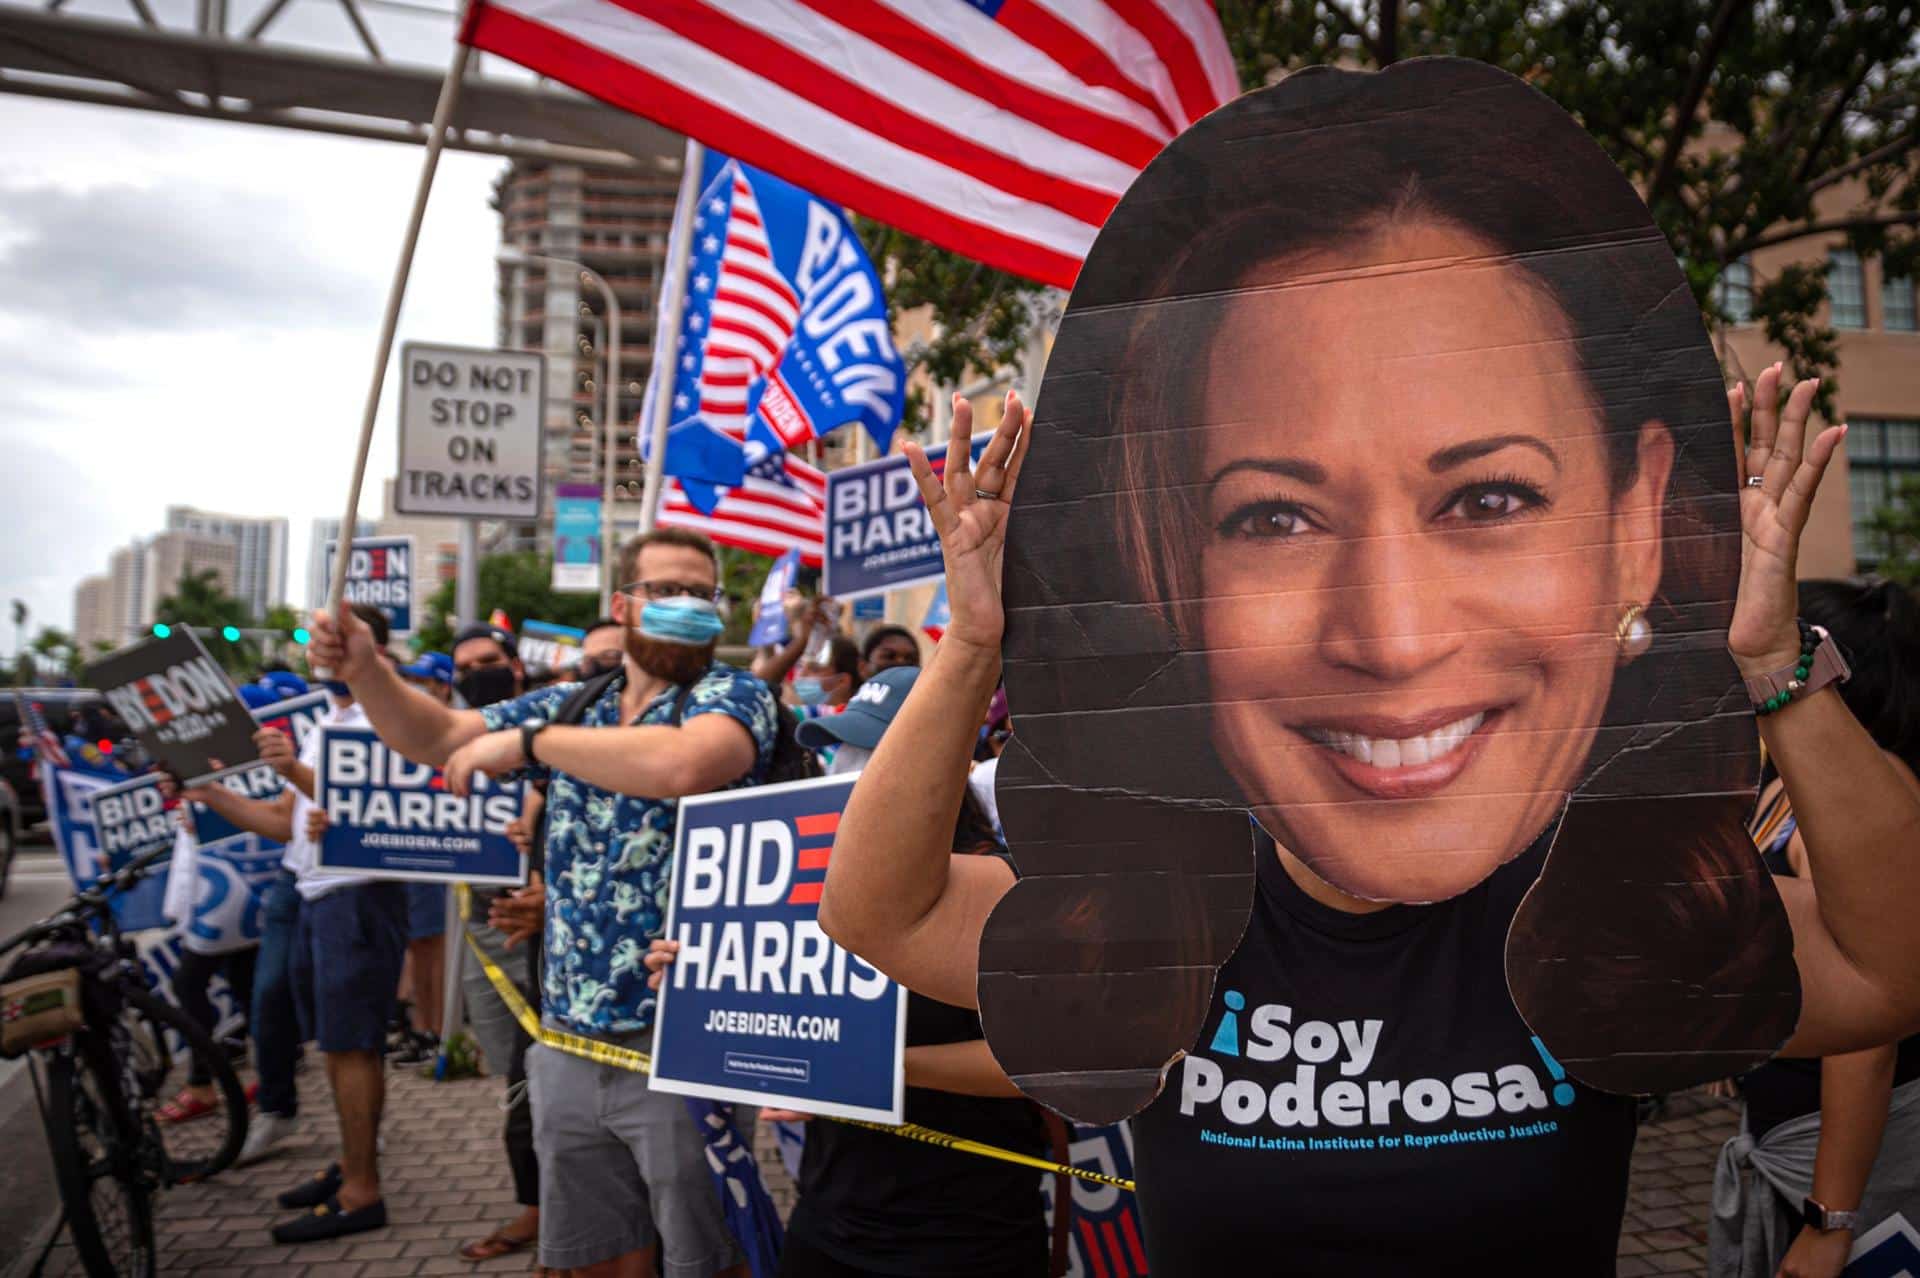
[
  {"x": 284, "y": 684},
  {"x": 866, "y": 716},
  {"x": 430, "y": 665},
  {"x": 258, "y": 694}
]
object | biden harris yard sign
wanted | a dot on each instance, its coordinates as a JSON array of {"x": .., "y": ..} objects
[
  {"x": 391, "y": 818},
  {"x": 879, "y": 535},
  {"x": 380, "y": 574},
  {"x": 760, "y": 1006}
]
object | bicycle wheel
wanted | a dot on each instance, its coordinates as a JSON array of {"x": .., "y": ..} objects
[
  {"x": 203, "y": 1146},
  {"x": 95, "y": 1144}
]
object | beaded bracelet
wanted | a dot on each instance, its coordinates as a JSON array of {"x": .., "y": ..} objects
[{"x": 1809, "y": 640}]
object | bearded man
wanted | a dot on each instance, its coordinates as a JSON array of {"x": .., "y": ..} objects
[{"x": 622, "y": 1171}]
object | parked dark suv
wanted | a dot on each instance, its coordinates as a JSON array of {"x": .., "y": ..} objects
[
  {"x": 16, "y": 764},
  {"x": 9, "y": 832}
]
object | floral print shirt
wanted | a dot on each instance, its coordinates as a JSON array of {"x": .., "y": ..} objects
[{"x": 609, "y": 856}]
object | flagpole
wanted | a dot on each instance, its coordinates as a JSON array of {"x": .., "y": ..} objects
[
  {"x": 667, "y": 339},
  {"x": 436, "y": 136}
]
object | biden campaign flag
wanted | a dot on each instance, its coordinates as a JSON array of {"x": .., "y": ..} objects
[
  {"x": 759, "y": 1005},
  {"x": 783, "y": 330}
]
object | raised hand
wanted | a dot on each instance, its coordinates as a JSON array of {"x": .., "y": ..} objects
[
  {"x": 970, "y": 510},
  {"x": 1775, "y": 449}
]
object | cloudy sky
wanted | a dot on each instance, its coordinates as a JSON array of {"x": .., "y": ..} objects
[{"x": 187, "y": 314}]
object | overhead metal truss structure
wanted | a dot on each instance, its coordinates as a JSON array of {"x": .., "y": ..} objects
[{"x": 213, "y": 65}]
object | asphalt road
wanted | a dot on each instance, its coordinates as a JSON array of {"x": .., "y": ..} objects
[{"x": 37, "y": 886}]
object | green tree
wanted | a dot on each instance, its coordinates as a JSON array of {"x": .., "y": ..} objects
[
  {"x": 20, "y": 664},
  {"x": 980, "y": 315},
  {"x": 283, "y": 621},
  {"x": 1896, "y": 531},
  {"x": 742, "y": 572},
  {"x": 53, "y": 657},
  {"x": 519, "y": 584},
  {"x": 199, "y": 601},
  {"x": 1731, "y": 117}
]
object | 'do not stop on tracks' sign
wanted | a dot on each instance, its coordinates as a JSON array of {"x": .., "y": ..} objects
[{"x": 470, "y": 432}]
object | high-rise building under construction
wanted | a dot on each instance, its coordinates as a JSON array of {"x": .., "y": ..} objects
[{"x": 615, "y": 223}]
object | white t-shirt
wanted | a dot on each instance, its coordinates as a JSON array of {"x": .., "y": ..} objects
[
  {"x": 980, "y": 781},
  {"x": 301, "y": 852}
]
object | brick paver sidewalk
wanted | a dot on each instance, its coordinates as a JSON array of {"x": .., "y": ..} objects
[{"x": 446, "y": 1182}]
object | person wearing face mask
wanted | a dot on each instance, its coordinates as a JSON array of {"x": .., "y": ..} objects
[
  {"x": 602, "y": 648},
  {"x": 623, "y": 1172},
  {"x": 487, "y": 670},
  {"x": 486, "y": 665},
  {"x": 822, "y": 689},
  {"x": 483, "y": 668},
  {"x": 432, "y": 673},
  {"x": 337, "y": 942},
  {"x": 845, "y": 741}
]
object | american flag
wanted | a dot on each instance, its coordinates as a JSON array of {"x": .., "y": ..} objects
[
  {"x": 1001, "y": 129},
  {"x": 46, "y": 743},
  {"x": 781, "y": 506},
  {"x": 748, "y": 307}
]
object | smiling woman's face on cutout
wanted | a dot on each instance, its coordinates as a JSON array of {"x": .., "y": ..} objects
[{"x": 1414, "y": 559}]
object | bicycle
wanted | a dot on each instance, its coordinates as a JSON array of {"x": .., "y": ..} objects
[{"x": 102, "y": 1048}]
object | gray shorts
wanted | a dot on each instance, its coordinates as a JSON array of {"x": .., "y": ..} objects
[{"x": 622, "y": 1168}]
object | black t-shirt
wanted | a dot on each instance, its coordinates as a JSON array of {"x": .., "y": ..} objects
[
  {"x": 896, "y": 1206},
  {"x": 1364, "y": 1099}
]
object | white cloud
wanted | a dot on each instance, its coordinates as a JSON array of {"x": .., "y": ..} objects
[{"x": 187, "y": 314}]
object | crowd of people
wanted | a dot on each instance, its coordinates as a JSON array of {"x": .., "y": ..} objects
[
  {"x": 609, "y": 1177},
  {"x": 613, "y": 1179},
  {"x": 1353, "y": 785}
]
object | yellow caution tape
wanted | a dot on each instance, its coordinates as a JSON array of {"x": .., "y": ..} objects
[
  {"x": 641, "y": 1063},
  {"x": 927, "y": 1135}
]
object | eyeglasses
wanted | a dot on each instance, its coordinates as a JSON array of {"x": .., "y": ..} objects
[{"x": 673, "y": 590}]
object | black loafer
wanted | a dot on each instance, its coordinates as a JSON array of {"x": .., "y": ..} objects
[
  {"x": 311, "y": 1193},
  {"x": 327, "y": 1220}
]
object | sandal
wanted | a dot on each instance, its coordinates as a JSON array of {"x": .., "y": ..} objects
[
  {"x": 494, "y": 1246},
  {"x": 184, "y": 1108}
]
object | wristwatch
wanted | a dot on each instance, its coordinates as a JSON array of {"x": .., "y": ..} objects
[
  {"x": 1819, "y": 664},
  {"x": 1817, "y": 1215},
  {"x": 528, "y": 731}
]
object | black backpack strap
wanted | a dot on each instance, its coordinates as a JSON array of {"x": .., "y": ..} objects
[{"x": 575, "y": 707}]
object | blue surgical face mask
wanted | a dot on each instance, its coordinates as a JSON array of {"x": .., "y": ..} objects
[
  {"x": 682, "y": 619},
  {"x": 809, "y": 692}
]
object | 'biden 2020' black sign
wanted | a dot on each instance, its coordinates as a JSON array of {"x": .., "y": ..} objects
[{"x": 179, "y": 703}]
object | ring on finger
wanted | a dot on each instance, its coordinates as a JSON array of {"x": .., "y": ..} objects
[
  {"x": 990, "y": 494},
  {"x": 1754, "y": 481}
]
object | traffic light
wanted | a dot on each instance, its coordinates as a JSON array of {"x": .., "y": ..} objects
[
  {"x": 230, "y": 633},
  {"x": 161, "y": 630},
  {"x": 301, "y": 637}
]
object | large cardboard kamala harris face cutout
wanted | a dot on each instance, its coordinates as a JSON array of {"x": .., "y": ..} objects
[{"x": 1383, "y": 491}]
